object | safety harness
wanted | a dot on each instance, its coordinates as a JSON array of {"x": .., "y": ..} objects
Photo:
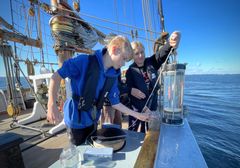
[{"x": 87, "y": 101}]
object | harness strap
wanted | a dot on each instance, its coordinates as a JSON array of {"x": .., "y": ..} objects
[
  {"x": 90, "y": 86},
  {"x": 87, "y": 101},
  {"x": 105, "y": 91}
]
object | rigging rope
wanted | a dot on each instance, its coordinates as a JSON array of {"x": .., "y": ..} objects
[
  {"x": 160, "y": 12},
  {"x": 69, "y": 33},
  {"x": 150, "y": 27},
  {"x": 144, "y": 21},
  {"x": 136, "y": 34},
  {"x": 30, "y": 68},
  {"x": 105, "y": 20},
  {"x": 40, "y": 33},
  {"x": 116, "y": 13},
  {"x": 153, "y": 16}
]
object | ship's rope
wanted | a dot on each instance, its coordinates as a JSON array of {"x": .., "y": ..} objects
[
  {"x": 154, "y": 20},
  {"x": 30, "y": 28},
  {"x": 144, "y": 21},
  {"x": 45, "y": 37},
  {"x": 149, "y": 20},
  {"x": 160, "y": 12},
  {"x": 116, "y": 14},
  {"x": 105, "y": 27},
  {"x": 69, "y": 33},
  {"x": 40, "y": 33},
  {"x": 30, "y": 66},
  {"x": 108, "y": 21},
  {"x": 122, "y": 32}
]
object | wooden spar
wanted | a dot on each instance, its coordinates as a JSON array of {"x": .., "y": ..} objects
[
  {"x": 6, "y": 24},
  {"x": 82, "y": 50},
  {"x": 11, "y": 36}
]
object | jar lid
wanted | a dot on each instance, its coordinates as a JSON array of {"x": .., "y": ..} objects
[{"x": 174, "y": 67}]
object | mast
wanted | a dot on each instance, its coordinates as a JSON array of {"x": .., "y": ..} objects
[
  {"x": 14, "y": 43},
  {"x": 40, "y": 33},
  {"x": 17, "y": 72},
  {"x": 160, "y": 12}
]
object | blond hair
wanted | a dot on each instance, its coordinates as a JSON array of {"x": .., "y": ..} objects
[
  {"x": 137, "y": 44},
  {"x": 122, "y": 43}
]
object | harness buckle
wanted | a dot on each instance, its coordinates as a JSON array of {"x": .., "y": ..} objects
[{"x": 81, "y": 103}]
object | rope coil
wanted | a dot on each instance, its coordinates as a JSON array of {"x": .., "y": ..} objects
[{"x": 69, "y": 34}]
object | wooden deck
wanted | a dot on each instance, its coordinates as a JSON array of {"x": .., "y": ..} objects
[{"x": 47, "y": 151}]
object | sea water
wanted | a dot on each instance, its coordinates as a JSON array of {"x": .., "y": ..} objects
[{"x": 213, "y": 103}]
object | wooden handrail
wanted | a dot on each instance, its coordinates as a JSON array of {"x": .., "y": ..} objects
[{"x": 146, "y": 156}]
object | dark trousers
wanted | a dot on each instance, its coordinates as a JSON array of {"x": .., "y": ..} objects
[
  {"x": 79, "y": 136},
  {"x": 134, "y": 123}
]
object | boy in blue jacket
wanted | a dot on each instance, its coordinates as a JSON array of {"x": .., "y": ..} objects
[{"x": 80, "y": 121}]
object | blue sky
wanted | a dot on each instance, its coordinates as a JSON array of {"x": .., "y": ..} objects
[{"x": 210, "y": 29}]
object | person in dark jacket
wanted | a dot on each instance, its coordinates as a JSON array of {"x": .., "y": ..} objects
[{"x": 142, "y": 75}]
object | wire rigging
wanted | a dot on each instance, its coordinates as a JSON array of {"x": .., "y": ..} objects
[
  {"x": 144, "y": 21},
  {"x": 116, "y": 13}
]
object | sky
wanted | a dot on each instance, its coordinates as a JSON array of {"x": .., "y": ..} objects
[{"x": 210, "y": 40}]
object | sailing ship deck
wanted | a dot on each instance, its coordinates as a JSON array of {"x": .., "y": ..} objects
[
  {"x": 42, "y": 154},
  {"x": 37, "y": 151}
]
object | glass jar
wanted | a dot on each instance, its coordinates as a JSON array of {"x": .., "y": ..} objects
[
  {"x": 173, "y": 83},
  {"x": 70, "y": 157}
]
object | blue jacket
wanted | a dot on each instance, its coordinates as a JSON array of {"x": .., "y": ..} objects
[{"x": 75, "y": 69}]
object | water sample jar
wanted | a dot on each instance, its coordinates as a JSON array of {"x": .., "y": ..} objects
[
  {"x": 173, "y": 86},
  {"x": 70, "y": 157}
]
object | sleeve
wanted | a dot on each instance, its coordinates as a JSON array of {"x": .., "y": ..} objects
[
  {"x": 71, "y": 67},
  {"x": 122, "y": 86},
  {"x": 114, "y": 94},
  {"x": 129, "y": 80},
  {"x": 162, "y": 54}
]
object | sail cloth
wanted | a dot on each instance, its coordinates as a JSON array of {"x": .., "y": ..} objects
[{"x": 70, "y": 33}]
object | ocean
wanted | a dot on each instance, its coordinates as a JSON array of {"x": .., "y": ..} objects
[
  {"x": 213, "y": 103},
  {"x": 3, "y": 82}
]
